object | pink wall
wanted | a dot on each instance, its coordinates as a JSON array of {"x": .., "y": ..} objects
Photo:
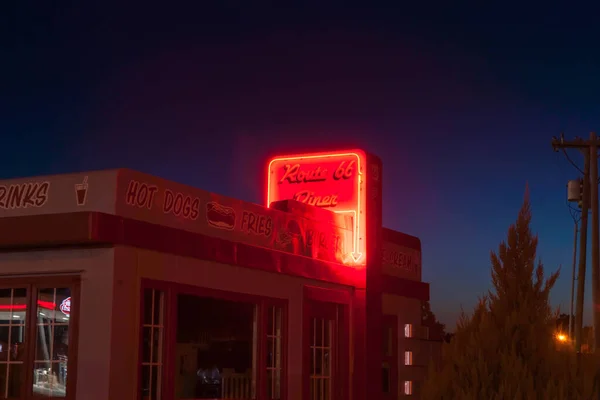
[{"x": 95, "y": 267}]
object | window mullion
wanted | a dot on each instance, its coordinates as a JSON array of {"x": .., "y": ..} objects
[
  {"x": 262, "y": 351},
  {"x": 30, "y": 340}
]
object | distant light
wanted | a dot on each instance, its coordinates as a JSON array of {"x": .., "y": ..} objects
[{"x": 561, "y": 337}]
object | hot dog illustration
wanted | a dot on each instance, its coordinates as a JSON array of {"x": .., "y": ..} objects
[
  {"x": 290, "y": 238},
  {"x": 220, "y": 216}
]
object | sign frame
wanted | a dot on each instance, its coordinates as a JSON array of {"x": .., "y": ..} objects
[{"x": 357, "y": 211}]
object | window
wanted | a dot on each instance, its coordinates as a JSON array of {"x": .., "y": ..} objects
[
  {"x": 152, "y": 344},
  {"x": 274, "y": 352},
  {"x": 35, "y": 337},
  {"x": 216, "y": 349},
  {"x": 408, "y": 330},
  {"x": 408, "y": 388},
  {"x": 218, "y": 346}
]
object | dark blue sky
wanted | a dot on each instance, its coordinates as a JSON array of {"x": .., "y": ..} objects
[{"x": 460, "y": 103}]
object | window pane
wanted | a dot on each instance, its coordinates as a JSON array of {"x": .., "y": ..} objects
[
  {"x": 147, "y": 345},
  {"x": 157, "y": 308},
  {"x": 270, "y": 321},
  {"x": 14, "y": 379},
  {"x": 13, "y": 304},
  {"x": 387, "y": 341},
  {"x": 145, "y": 382},
  {"x": 157, "y": 346},
  {"x": 273, "y": 384},
  {"x": 155, "y": 383},
  {"x": 216, "y": 342},
  {"x": 52, "y": 342},
  {"x": 387, "y": 387},
  {"x": 270, "y": 353},
  {"x": 318, "y": 332},
  {"x": 148, "y": 302}
]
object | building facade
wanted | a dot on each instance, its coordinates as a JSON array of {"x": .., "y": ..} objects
[{"x": 121, "y": 285}]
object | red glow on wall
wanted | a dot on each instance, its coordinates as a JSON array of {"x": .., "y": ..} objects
[{"x": 333, "y": 181}]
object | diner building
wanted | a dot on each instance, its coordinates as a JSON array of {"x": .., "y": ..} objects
[{"x": 121, "y": 285}]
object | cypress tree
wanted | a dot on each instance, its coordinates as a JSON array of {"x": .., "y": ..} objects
[{"x": 506, "y": 348}]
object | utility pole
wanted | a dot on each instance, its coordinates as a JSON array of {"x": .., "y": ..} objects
[
  {"x": 571, "y": 330},
  {"x": 586, "y": 147},
  {"x": 593, "y": 159},
  {"x": 585, "y": 205}
]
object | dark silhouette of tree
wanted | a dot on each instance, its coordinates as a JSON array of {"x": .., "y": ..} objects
[
  {"x": 448, "y": 337},
  {"x": 587, "y": 339},
  {"x": 506, "y": 349},
  {"x": 562, "y": 323},
  {"x": 437, "y": 330}
]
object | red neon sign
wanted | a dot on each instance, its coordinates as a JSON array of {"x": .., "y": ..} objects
[
  {"x": 334, "y": 181},
  {"x": 16, "y": 307}
]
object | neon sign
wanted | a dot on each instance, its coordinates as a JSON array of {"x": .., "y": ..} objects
[
  {"x": 65, "y": 306},
  {"x": 333, "y": 181}
]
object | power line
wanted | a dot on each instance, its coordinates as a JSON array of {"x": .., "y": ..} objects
[{"x": 571, "y": 161}]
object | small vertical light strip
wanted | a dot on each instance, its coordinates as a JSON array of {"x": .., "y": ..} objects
[{"x": 407, "y": 388}]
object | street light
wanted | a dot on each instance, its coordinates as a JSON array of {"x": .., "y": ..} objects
[{"x": 561, "y": 337}]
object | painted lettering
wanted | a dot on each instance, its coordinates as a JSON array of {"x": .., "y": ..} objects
[
  {"x": 140, "y": 194},
  {"x": 24, "y": 195},
  {"x": 181, "y": 205},
  {"x": 339, "y": 244},
  {"x": 399, "y": 259},
  {"x": 256, "y": 224},
  {"x": 293, "y": 174},
  {"x": 308, "y": 197},
  {"x": 323, "y": 240},
  {"x": 345, "y": 170}
]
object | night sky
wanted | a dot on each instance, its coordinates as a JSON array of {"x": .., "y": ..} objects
[{"x": 461, "y": 105}]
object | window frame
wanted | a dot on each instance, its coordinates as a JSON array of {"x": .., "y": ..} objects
[
  {"x": 172, "y": 290},
  {"x": 33, "y": 285}
]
